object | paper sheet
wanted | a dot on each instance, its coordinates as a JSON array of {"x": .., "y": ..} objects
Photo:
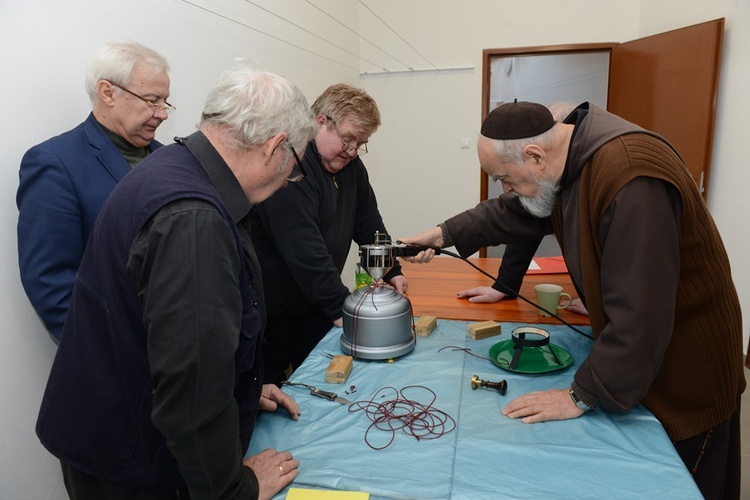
[{"x": 308, "y": 494}]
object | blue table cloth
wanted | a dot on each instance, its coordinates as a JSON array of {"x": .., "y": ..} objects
[{"x": 487, "y": 456}]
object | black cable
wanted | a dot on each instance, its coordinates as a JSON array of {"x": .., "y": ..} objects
[{"x": 508, "y": 290}]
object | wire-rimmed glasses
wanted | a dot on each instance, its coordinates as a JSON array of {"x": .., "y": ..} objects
[
  {"x": 349, "y": 145},
  {"x": 151, "y": 104}
]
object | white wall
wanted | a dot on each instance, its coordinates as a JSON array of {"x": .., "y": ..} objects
[
  {"x": 570, "y": 78},
  {"x": 422, "y": 176},
  {"x": 418, "y": 170},
  {"x": 45, "y": 45},
  {"x": 416, "y": 160}
]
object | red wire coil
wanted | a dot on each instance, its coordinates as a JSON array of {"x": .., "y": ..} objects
[{"x": 420, "y": 421}]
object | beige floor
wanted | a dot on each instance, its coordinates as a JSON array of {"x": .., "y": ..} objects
[{"x": 745, "y": 418}]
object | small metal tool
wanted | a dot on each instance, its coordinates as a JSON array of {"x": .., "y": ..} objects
[{"x": 331, "y": 396}]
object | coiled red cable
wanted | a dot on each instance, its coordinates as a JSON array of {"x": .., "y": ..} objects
[{"x": 415, "y": 419}]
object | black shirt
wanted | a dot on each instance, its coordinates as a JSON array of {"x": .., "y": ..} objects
[
  {"x": 303, "y": 234},
  {"x": 186, "y": 259}
]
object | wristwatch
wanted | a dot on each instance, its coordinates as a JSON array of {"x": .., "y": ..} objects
[{"x": 580, "y": 404}]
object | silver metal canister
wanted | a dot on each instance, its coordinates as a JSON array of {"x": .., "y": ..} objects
[{"x": 377, "y": 323}]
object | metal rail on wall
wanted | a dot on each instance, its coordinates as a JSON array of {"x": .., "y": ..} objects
[{"x": 381, "y": 69}]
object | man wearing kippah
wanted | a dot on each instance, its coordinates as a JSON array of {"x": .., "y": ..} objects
[
  {"x": 518, "y": 256},
  {"x": 647, "y": 261}
]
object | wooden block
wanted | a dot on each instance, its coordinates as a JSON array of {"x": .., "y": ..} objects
[
  {"x": 424, "y": 325},
  {"x": 483, "y": 330},
  {"x": 339, "y": 369}
]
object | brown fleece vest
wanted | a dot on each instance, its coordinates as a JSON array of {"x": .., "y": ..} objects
[{"x": 701, "y": 375}]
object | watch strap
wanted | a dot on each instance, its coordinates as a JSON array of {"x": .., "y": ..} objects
[{"x": 578, "y": 402}]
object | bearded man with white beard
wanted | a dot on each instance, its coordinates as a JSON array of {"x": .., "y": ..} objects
[{"x": 647, "y": 261}]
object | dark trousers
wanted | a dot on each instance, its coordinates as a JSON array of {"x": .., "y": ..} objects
[
  {"x": 718, "y": 471},
  {"x": 82, "y": 486},
  {"x": 289, "y": 341}
]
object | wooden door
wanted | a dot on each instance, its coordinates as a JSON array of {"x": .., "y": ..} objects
[{"x": 668, "y": 83}]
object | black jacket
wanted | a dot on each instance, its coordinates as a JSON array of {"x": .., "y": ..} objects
[{"x": 303, "y": 234}]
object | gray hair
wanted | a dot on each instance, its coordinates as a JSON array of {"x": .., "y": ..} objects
[
  {"x": 511, "y": 151},
  {"x": 561, "y": 109},
  {"x": 116, "y": 61},
  {"x": 253, "y": 105}
]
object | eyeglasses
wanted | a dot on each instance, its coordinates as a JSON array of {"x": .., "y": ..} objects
[
  {"x": 348, "y": 145},
  {"x": 298, "y": 171},
  {"x": 151, "y": 104}
]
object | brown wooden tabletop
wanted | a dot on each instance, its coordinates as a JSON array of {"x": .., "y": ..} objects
[{"x": 433, "y": 288}]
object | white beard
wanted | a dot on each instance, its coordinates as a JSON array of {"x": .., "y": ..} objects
[{"x": 542, "y": 204}]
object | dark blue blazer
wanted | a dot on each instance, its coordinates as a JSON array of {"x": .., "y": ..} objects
[{"x": 64, "y": 182}]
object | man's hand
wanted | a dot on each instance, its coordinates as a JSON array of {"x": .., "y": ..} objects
[
  {"x": 274, "y": 470},
  {"x": 481, "y": 294},
  {"x": 399, "y": 283},
  {"x": 577, "y": 307},
  {"x": 431, "y": 238},
  {"x": 540, "y": 406},
  {"x": 271, "y": 397}
]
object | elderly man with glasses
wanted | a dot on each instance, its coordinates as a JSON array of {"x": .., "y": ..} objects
[
  {"x": 157, "y": 381},
  {"x": 65, "y": 180},
  {"x": 303, "y": 233}
]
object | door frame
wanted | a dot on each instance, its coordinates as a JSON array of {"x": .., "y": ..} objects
[{"x": 489, "y": 54}]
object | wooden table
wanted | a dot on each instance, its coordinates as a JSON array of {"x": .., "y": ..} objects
[{"x": 433, "y": 288}]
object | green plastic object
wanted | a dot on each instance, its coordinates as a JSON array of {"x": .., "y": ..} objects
[
  {"x": 533, "y": 360},
  {"x": 361, "y": 277}
]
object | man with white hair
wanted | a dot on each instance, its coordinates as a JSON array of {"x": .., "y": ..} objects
[
  {"x": 157, "y": 380},
  {"x": 518, "y": 256},
  {"x": 647, "y": 261},
  {"x": 65, "y": 180}
]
